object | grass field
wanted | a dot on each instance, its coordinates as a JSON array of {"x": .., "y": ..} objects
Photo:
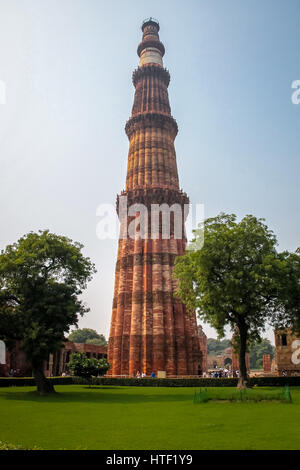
[{"x": 159, "y": 418}]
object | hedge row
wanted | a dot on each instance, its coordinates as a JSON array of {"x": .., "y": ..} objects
[
  {"x": 149, "y": 382},
  {"x": 197, "y": 382}
]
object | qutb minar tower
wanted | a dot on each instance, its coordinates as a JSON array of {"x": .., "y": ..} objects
[{"x": 150, "y": 329}]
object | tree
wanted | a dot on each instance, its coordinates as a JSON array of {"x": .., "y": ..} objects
[
  {"x": 257, "y": 351},
  {"x": 237, "y": 278},
  {"x": 216, "y": 346},
  {"x": 86, "y": 335},
  {"x": 97, "y": 341},
  {"x": 9, "y": 320},
  {"x": 287, "y": 314},
  {"x": 82, "y": 366},
  {"x": 41, "y": 278}
]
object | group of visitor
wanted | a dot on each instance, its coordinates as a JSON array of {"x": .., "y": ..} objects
[
  {"x": 142, "y": 375},
  {"x": 14, "y": 373},
  {"x": 221, "y": 373}
]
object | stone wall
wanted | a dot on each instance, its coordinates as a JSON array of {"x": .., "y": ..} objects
[
  {"x": 287, "y": 355},
  {"x": 56, "y": 364},
  {"x": 227, "y": 359},
  {"x": 203, "y": 350},
  {"x": 267, "y": 363}
]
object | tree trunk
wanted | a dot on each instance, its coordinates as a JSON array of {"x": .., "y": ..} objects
[
  {"x": 243, "y": 377},
  {"x": 44, "y": 386}
]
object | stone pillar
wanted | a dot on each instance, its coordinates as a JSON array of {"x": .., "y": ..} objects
[
  {"x": 267, "y": 362},
  {"x": 150, "y": 329},
  {"x": 203, "y": 348}
]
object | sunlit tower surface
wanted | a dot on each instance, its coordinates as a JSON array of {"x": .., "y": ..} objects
[{"x": 151, "y": 330}]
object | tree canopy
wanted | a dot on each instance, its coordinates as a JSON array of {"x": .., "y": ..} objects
[
  {"x": 82, "y": 366},
  {"x": 42, "y": 276},
  {"x": 238, "y": 279},
  {"x": 88, "y": 336},
  {"x": 288, "y": 282},
  {"x": 257, "y": 351},
  {"x": 216, "y": 346}
]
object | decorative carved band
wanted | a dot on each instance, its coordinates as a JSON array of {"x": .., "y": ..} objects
[
  {"x": 148, "y": 196},
  {"x": 151, "y": 71},
  {"x": 150, "y": 43},
  {"x": 146, "y": 120}
]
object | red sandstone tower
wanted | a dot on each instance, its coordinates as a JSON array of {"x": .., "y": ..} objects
[
  {"x": 150, "y": 329},
  {"x": 203, "y": 349}
]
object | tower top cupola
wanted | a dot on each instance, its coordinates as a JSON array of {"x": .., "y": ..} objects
[
  {"x": 150, "y": 50},
  {"x": 150, "y": 26}
]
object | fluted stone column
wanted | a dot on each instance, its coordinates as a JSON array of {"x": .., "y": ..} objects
[{"x": 150, "y": 328}]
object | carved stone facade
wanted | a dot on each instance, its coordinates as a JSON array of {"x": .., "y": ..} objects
[
  {"x": 287, "y": 355},
  {"x": 203, "y": 350},
  {"x": 150, "y": 329},
  {"x": 57, "y": 363},
  {"x": 219, "y": 361},
  {"x": 15, "y": 360},
  {"x": 267, "y": 364},
  {"x": 228, "y": 359}
]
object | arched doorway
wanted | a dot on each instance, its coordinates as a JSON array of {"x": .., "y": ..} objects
[{"x": 228, "y": 362}]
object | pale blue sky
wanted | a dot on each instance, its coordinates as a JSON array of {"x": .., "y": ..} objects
[{"x": 67, "y": 65}]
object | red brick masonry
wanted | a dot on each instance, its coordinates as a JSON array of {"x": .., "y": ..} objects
[
  {"x": 56, "y": 364},
  {"x": 150, "y": 329}
]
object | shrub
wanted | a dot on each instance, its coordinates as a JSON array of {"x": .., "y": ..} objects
[
  {"x": 149, "y": 382},
  {"x": 86, "y": 368},
  {"x": 282, "y": 395},
  {"x": 196, "y": 382}
]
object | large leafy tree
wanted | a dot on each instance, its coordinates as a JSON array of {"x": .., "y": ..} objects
[
  {"x": 87, "y": 335},
  {"x": 238, "y": 279},
  {"x": 41, "y": 278},
  {"x": 287, "y": 271}
]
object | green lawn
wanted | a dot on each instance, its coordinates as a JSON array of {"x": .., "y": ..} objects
[{"x": 159, "y": 418}]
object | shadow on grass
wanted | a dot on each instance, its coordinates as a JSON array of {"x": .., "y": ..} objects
[
  {"x": 111, "y": 395},
  {"x": 90, "y": 395}
]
